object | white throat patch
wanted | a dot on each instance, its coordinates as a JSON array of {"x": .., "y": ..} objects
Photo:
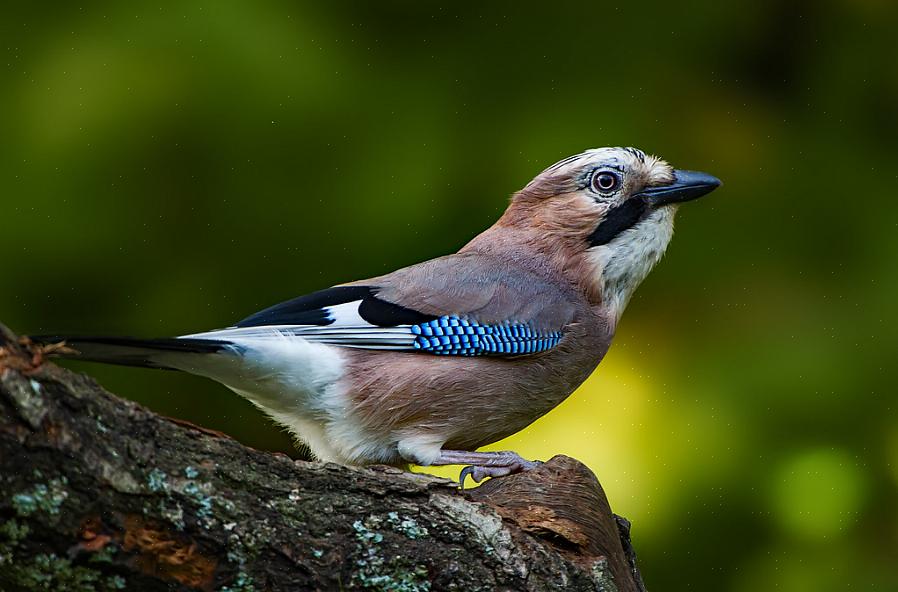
[{"x": 620, "y": 265}]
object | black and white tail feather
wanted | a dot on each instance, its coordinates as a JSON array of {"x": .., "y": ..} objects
[
  {"x": 349, "y": 316},
  {"x": 131, "y": 351}
]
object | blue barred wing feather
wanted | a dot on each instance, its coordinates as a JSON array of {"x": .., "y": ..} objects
[{"x": 456, "y": 336}]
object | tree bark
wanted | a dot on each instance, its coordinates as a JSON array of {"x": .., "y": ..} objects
[{"x": 98, "y": 493}]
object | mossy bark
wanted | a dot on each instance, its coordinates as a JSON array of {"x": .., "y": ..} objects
[{"x": 98, "y": 493}]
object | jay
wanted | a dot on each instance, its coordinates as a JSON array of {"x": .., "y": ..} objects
[{"x": 428, "y": 363}]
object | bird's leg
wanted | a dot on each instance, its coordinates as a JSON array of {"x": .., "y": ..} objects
[{"x": 484, "y": 464}]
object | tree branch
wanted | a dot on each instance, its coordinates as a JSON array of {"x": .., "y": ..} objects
[{"x": 98, "y": 493}]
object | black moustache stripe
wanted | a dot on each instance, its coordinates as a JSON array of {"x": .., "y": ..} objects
[{"x": 617, "y": 220}]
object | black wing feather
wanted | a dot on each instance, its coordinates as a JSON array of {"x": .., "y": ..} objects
[
  {"x": 311, "y": 309},
  {"x": 386, "y": 314},
  {"x": 306, "y": 310}
]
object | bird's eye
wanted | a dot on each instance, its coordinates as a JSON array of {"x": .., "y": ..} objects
[{"x": 605, "y": 181}]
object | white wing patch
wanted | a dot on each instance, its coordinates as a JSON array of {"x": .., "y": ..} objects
[{"x": 346, "y": 315}]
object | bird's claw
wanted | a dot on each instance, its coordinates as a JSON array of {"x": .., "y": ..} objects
[{"x": 480, "y": 472}]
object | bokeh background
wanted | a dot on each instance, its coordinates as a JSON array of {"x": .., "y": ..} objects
[{"x": 175, "y": 166}]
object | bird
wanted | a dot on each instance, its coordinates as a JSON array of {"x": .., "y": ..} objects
[{"x": 427, "y": 364}]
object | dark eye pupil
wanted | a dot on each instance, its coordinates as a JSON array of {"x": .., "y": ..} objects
[{"x": 605, "y": 181}]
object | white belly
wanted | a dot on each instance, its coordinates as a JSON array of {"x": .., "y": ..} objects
[{"x": 295, "y": 381}]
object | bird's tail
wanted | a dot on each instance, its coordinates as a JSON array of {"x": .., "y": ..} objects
[{"x": 167, "y": 353}]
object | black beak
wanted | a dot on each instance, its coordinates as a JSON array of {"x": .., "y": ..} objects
[{"x": 687, "y": 185}]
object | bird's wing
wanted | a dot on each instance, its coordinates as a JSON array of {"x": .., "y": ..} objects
[{"x": 463, "y": 304}]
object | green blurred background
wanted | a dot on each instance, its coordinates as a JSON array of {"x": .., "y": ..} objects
[{"x": 173, "y": 167}]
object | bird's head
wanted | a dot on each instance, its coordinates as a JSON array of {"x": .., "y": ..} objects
[{"x": 606, "y": 215}]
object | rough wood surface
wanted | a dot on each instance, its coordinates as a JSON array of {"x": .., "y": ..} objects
[{"x": 98, "y": 493}]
